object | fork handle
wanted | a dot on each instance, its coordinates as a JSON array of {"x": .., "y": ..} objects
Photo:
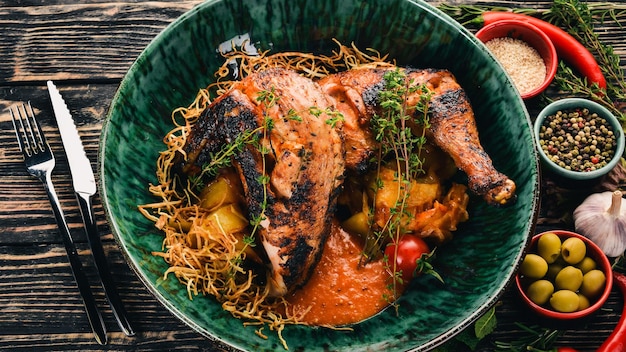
[
  {"x": 93, "y": 314},
  {"x": 93, "y": 236}
]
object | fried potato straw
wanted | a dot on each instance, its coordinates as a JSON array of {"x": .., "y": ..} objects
[{"x": 202, "y": 255}]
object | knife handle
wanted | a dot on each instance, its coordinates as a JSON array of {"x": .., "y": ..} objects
[
  {"x": 93, "y": 314},
  {"x": 93, "y": 237}
]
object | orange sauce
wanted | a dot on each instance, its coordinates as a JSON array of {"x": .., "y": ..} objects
[{"x": 340, "y": 291}]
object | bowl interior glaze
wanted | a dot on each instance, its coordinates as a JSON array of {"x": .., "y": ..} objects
[{"x": 477, "y": 265}]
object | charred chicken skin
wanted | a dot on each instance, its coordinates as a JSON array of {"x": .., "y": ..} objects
[
  {"x": 452, "y": 124},
  {"x": 308, "y": 155},
  {"x": 304, "y": 160}
]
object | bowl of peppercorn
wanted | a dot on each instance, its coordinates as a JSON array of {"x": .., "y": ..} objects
[{"x": 578, "y": 139}]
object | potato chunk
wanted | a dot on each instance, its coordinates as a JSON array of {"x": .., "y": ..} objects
[{"x": 225, "y": 189}]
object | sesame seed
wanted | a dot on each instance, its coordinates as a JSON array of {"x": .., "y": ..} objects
[{"x": 521, "y": 61}]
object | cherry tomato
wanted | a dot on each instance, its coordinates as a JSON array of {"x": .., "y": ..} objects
[{"x": 406, "y": 253}]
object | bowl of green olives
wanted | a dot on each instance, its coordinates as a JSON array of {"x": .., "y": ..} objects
[
  {"x": 578, "y": 139},
  {"x": 564, "y": 275}
]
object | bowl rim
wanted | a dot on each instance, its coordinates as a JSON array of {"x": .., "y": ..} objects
[
  {"x": 603, "y": 263},
  {"x": 551, "y": 62},
  {"x": 568, "y": 103}
]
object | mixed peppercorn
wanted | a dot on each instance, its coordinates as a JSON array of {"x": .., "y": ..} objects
[{"x": 577, "y": 140}]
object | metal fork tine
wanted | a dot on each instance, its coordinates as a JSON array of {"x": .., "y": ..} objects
[
  {"x": 28, "y": 130},
  {"x": 22, "y": 138},
  {"x": 37, "y": 141},
  {"x": 35, "y": 129}
]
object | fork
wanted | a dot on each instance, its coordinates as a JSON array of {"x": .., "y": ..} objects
[{"x": 40, "y": 162}]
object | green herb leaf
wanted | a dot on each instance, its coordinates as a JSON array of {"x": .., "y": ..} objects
[{"x": 486, "y": 324}]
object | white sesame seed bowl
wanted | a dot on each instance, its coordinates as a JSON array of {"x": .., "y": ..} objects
[
  {"x": 578, "y": 139},
  {"x": 526, "y": 53}
]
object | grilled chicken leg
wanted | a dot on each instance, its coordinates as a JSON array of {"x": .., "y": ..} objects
[{"x": 452, "y": 124}]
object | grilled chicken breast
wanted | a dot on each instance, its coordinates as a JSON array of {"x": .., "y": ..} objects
[
  {"x": 452, "y": 125},
  {"x": 304, "y": 160}
]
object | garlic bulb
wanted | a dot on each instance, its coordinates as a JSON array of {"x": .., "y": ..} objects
[{"x": 602, "y": 219}]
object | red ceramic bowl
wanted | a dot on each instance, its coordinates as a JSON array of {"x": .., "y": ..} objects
[
  {"x": 594, "y": 252},
  {"x": 534, "y": 37}
]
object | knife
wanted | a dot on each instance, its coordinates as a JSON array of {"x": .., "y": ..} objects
[{"x": 84, "y": 183}]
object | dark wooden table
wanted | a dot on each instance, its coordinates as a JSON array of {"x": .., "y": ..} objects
[{"x": 86, "y": 47}]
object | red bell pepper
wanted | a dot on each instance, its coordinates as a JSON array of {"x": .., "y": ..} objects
[{"x": 617, "y": 340}]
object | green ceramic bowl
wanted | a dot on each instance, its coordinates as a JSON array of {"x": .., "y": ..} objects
[{"x": 477, "y": 266}]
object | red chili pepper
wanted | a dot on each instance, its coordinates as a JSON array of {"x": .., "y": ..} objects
[
  {"x": 616, "y": 342},
  {"x": 558, "y": 349},
  {"x": 567, "y": 47}
]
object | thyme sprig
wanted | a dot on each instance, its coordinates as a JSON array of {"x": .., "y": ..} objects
[
  {"x": 223, "y": 158},
  {"x": 570, "y": 82},
  {"x": 395, "y": 138},
  {"x": 334, "y": 116},
  {"x": 392, "y": 128},
  {"x": 268, "y": 98},
  {"x": 400, "y": 131}
]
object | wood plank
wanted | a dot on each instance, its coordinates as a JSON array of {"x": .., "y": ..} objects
[
  {"x": 22, "y": 197},
  {"x": 68, "y": 41},
  {"x": 40, "y": 308}
]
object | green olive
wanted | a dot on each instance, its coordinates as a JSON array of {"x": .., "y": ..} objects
[
  {"x": 586, "y": 265},
  {"x": 549, "y": 247},
  {"x": 593, "y": 283},
  {"x": 583, "y": 302},
  {"x": 569, "y": 278},
  {"x": 573, "y": 250},
  {"x": 540, "y": 291},
  {"x": 564, "y": 301},
  {"x": 554, "y": 269},
  {"x": 533, "y": 266}
]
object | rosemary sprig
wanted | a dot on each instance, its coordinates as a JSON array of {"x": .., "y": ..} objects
[
  {"x": 569, "y": 82},
  {"x": 534, "y": 339},
  {"x": 470, "y": 15},
  {"x": 578, "y": 19}
]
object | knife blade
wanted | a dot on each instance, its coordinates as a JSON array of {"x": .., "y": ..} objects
[{"x": 84, "y": 183}]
